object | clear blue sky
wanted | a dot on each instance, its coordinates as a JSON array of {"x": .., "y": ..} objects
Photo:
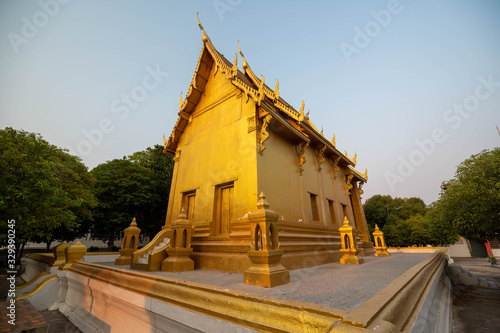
[{"x": 380, "y": 74}]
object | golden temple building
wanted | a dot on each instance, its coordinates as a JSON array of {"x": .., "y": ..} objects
[{"x": 235, "y": 137}]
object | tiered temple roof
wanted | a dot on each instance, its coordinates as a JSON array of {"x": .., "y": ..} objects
[{"x": 297, "y": 125}]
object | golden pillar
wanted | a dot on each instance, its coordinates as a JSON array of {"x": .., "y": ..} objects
[
  {"x": 59, "y": 254},
  {"x": 73, "y": 253},
  {"x": 349, "y": 245},
  {"x": 180, "y": 246},
  {"x": 380, "y": 245},
  {"x": 129, "y": 245},
  {"x": 265, "y": 255}
]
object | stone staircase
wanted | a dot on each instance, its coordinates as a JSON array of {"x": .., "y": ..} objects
[
  {"x": 459, "y": 275},
  {"x": 145, "y": 258}
]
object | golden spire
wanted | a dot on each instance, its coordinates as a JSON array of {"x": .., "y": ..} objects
[
  {"x": 333, "y": 140},
  {"x": 276, "y": 90},
  {"x": 346, "y": 221},
  {"x": 301, "y": 112}
]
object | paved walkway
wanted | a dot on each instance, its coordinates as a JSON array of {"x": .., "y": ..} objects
[
  {"x": 477, "y": 309},
  {"x": 343, "y": 287}
]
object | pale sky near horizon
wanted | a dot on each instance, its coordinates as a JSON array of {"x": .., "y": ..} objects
[{"x": 412, "y": 86}]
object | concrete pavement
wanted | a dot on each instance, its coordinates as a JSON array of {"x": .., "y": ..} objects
[{"x": 477, "y": 309}]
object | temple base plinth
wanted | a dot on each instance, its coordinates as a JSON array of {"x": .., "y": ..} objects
[
  {"x": 178, "y": 260},
  {"x": 266, "y": 269},
  {"x": 350, "y": 257}
]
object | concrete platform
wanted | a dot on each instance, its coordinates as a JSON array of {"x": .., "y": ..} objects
[{"x": 343, "y": 287}]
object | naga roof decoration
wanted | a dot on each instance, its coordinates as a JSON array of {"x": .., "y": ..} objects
[{"x": 252, "y": 86}]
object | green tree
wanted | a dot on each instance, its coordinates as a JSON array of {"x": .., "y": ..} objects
[
  {"x": 440, "y": 232},
  {"x": 470, "y": 202},
  {"x": 78, "y": 183},
  {"x": 383, "y": 209},
  {"x": 35, "y": 187},
  {"x": 377, "y": 210},
  {"x": 162, "y": 166},
  {"x": 124, "y": 190}
]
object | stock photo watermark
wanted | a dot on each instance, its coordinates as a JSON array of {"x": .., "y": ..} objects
[
  {"x": 223, "y": 6},
  {"x": 454, "y": 117},
  {"x": 31, "y": 26},
  {"x": 122, "y": 107},
  {"x": 363, "y": 37},
  {"x": 11, "y": 271}
]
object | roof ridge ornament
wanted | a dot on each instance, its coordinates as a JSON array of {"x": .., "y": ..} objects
[
  {"x": 334, "y": 143},
  {"x": 244, "y": 63},
  {"x": 199, "y": 23},
  {"x": 276, "y": 90},
  {"x": 235, "y": 64},
  {"x": 205, "y": 36},
  {"x": 301, "y": 112},
  {"x": 261, "y": 90}
]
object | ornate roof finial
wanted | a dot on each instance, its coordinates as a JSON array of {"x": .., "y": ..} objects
[
  {"x": 134, "y": 223},
  {"x": 301, "y": 112},
  {"x": 244, "y": 64},
  {"x": 376, "y": 228},
  {"x": 235, "y": 64},
  {"x": 354, "y": 159},
  {"x": 333, "y": 140},
  {"x": 199, "y": 23},
  {"x": 366, "y": 174},
  {"x": 204, "y": 38},
  {"x": 164, "y": 143},
  {"x": 180, "y": 101},
  {"x": 276, "y": 90},
  {"x": 307, "y": 114},
  {"x": 321, "y": 129},
  {"x": 261, "y": 90}
]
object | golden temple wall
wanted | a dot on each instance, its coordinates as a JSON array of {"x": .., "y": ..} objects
[{"x": 216, "y": 148}]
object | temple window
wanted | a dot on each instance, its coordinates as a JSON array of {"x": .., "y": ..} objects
[
  {"x": 331, "y": 207},
  {"x": 188, "y": 199},
  {"x": 314, "y": 207},
  {"x": 344, "y": 210}
]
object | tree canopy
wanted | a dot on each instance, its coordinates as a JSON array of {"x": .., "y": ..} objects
[
  {"x": 383, "y": 209},
  {"x": 162, "y": 166},
  {"x": 42, "y": 187},
  {"x": 470, "y": 202},
  {"x": 124, "y": 190}
]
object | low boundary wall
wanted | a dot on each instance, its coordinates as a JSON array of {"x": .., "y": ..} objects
[{"x": 99, "y": 298}]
